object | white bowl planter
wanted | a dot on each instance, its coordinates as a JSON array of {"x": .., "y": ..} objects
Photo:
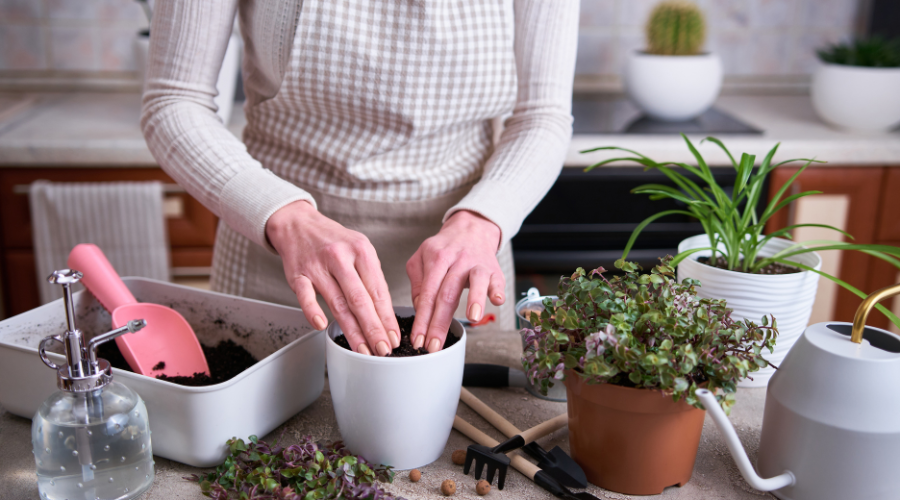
[
  {"x": 857, "y": 98},
  {"x": 396, "y": 411},
  {"x": 673, "y": 88},
  {"x": 788, "y": 297}
]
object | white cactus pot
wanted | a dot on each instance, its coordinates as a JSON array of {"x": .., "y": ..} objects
[
  {"x": 673, "y": 88},
  {"x": 788, "y": 297},
  {"x": 856, "y": 98}
]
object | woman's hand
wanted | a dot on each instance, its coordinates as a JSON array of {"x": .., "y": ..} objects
[
  {"x": 463, "y": 253},
  {"x": 323, "y": 256}
]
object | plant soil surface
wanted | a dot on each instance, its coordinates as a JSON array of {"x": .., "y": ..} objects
[
  {"x": 773, "y": 268},
  {"x": 225, "y": 361},
  {"x": 406, "y": 349}
]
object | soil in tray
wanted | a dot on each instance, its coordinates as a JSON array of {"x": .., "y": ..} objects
[
  {"x": 225, "y": 361},
  {"x": 773, "y": 268},
  {"x": 405, "y": 349}
]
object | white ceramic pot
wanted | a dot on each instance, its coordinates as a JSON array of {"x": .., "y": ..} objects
[
  {"x": 396, "y": 411},
  {"x": 857, "y": 98},
  {"x": 789, "y": 297},
  {"x": 673, "y": 88}
]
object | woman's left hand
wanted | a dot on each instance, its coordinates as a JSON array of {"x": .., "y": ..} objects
[{"x": 462, "y": 254}]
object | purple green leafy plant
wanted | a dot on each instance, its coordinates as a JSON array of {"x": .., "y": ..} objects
[
  {"x": 645, "y": 331},
  {"x": 308, "y": 470}
]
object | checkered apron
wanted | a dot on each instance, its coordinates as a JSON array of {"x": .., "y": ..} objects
[{"x": 384, "y": 115}]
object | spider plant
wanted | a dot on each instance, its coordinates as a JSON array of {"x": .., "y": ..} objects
[{"x": 731, "y": 222}]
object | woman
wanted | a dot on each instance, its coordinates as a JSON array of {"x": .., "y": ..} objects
[{"x": 369, "y": 174}]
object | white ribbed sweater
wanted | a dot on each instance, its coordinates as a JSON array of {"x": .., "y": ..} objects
[{"x": 385, "y": 100}]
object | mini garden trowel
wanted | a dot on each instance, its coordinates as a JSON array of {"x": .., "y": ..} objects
[
  {"x": 168, "y": 345},
  {"x": 555, "y": 463}
]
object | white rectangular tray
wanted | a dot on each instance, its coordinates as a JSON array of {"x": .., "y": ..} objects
[{"x": 189, "y": 424}]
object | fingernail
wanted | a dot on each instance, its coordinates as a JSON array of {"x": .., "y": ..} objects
[
  {"x": 363, "y": 349},
  {"x": 416, "y": 302},
  {"x": 434, "y": 345},
  {"x": 419, "y": 342},
  {"x": 320, "y": 322},
  {"x": 498, "y": 297},
  {"x": 382, "y": 348},
  {"x": 395, "y": 339},
  {"x": 475, "y": 312}
]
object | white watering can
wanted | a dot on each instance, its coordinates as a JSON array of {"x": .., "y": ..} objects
[{"x": 831, "y": 428}]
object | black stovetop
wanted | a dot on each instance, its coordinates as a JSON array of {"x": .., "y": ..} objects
[{"x": 604, "y": 114}]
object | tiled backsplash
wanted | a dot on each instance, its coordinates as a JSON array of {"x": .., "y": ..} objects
[
  {"x": 69, "y": 35},
  {"x": 754, "y": 37}
]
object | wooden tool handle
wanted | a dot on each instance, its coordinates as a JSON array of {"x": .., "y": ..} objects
[
  {"x": 517, "y": 461},
  {"x": 542, "y": 429},
  {"x": 504, "y": 426},
  {"x": 486, "y": 412}
]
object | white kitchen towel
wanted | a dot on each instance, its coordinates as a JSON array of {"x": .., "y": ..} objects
[{"x": 124, "y": 219}]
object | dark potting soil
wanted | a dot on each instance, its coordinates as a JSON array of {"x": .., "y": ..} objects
[
  {"x": 405, "y": 349},
  {"x": 226, "y": 360},
  {"x": 773, "y": 268},
  {"x": 159, "y": 366}
]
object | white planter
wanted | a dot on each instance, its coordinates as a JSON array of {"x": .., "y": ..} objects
[
  {"x": 189, "y": 424},
  {"x": 226, "y": 84},
  {"x": 396, "y": 411},
  {"x": 673, "y": 88},
  {"x": 789, "y": 297},
  {"x": 857, "y": 98}
]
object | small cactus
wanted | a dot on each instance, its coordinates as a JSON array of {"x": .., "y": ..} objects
[{"x": 676, "y": 28}]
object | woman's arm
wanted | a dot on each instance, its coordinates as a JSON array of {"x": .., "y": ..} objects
[
  {"x": 523, "y": 167},
  {"x": 179, "y": 120}
]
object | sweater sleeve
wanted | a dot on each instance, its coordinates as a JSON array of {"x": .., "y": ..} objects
[
  {"x": 532, "y": 148},
  {"x": 182, "y": 129}
]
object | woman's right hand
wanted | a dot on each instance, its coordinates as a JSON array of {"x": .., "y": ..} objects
[{"x": 323, "y": 256}]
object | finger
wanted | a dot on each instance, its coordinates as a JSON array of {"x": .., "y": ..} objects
[
  {"x": 496, "y": 290},
  {"x": 479, "y": 279},
  {"x": 306, "y": 297},
  {"x": 369, "y": 269},
  {"x": 362, "y": 307},
  {"x": 447, "y": 302},
  {"x": 435, "y": 269},
  {"x": 336, "y": 301},
  {"x": 416, "y": 274}
]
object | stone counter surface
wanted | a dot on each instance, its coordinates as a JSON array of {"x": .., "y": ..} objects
[
  {"x": 715, "y": 475},
  {"x": 102, "y": 130}
]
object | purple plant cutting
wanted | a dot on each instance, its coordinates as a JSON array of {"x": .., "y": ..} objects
[
  {"x": 308, "y": 470},
  {"x": 645, "y": 331}
]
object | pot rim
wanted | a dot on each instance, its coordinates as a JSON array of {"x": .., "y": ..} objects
[
  {"x": 334, "y": 330},
  {"x": 662, "y": 404},
  {"x": 703, "y": 55},
  {"x": 861, "y": 69},
  {"x": 770, "y": 277}
]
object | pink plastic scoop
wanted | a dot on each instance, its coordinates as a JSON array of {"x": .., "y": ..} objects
[{"x": 167, "y": 338}]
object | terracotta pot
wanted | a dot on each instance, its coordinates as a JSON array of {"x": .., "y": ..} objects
[{"x": 633, "y": 441}]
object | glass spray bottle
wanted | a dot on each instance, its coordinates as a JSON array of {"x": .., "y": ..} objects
[{"x": 91, "y": 438}]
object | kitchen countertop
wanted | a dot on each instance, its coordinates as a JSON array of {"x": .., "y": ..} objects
[
  {"x": 101, "y": 129},
  {"x": 715, "y": 475}
]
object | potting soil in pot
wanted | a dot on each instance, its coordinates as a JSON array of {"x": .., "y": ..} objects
[
  {"x": 773, "y": 268},
  {"x": 226, "y": 360},
  {"x": 405, "y": 349}
]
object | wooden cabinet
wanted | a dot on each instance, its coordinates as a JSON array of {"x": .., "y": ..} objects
[
  {"x": 872, "y": 217},
  {"x": 192, "y": 229}
]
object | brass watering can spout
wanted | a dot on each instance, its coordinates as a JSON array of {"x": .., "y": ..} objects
[{"x": 862, "y": 313}]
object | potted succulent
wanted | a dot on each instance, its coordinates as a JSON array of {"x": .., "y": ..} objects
[
  {"x": 632, "y": 350},
  {"x": 396, "y": 411},
  {"x": 756, "y": 273},
  {"x": 672, "y": 80},
  {"x": 856, "y": 86}
]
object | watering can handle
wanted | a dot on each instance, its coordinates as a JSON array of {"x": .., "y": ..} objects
[{"x": 862, "y": 313}]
